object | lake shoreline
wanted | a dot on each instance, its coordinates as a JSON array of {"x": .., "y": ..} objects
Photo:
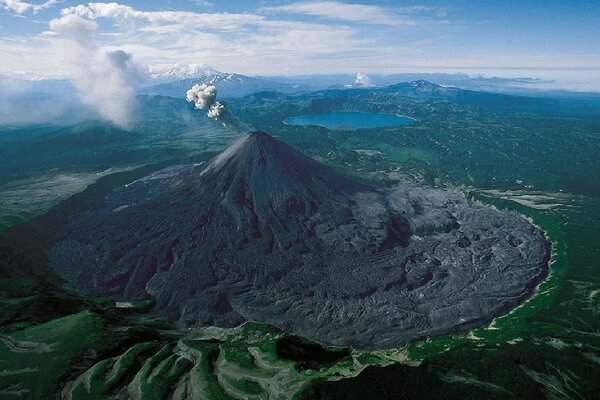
[{"x": 349, "y": 120}]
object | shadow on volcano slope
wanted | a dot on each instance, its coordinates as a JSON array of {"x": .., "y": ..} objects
[{"x": 264, "y": 233}]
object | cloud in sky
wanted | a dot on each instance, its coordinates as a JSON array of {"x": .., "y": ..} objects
[
  {"x": 297, "y": 37},
  {"x": 177, "y": 19},
  {"x": 74, "y": 28},
  {"x": 229, "y": 41},
  {"x": 337, "y": 10},
  {"x": 21, "y": 7}
]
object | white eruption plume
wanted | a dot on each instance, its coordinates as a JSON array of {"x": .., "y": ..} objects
[
  {"x": 102, "y": 79},
  {"x": 204, "y": 97},
  {"x": 362, "y": 80},
  {"x": 216, "y": 110}
]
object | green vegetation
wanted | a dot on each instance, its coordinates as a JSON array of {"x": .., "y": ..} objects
[{"x": 34, "y": 359}]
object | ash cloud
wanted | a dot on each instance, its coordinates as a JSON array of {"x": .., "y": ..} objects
[
  {"x": 119, "y": 59},
  {"x": 204, "y": 97},
  {"x": 104, "y": 81}
]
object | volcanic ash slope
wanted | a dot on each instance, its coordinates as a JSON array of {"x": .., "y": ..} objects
[{"x": 265, "y": 233}]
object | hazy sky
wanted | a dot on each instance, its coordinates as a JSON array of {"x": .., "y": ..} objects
[{"x": 297, "y": 37}]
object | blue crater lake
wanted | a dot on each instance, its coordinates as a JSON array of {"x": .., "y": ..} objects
[{"x": 349, "y": 120}]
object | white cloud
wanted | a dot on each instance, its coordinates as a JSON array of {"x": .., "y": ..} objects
[
  {"x": 178, "y": 19},
  {"x": 246, "y": 42},
  {"x": 337, "y": 10},
  {"x": 297, "y": 38},
  {"x": 74, "y": 28},
  {"x": 21, "y": 7}
]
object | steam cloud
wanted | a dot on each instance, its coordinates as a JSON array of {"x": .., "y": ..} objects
[
  {"x": 362, "y": 79},
  {"x": 204, "y": 97},
  {"x": 102, "y": 80}
]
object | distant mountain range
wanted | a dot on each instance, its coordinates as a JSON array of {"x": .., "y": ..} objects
[
  {"x": 364, "y": 98},
  {"x": 236, "y": 85},
  {"x": 228, "y": 85},
  {"x": 57, "y": 100},
  {"x": 174, "y": 80}
]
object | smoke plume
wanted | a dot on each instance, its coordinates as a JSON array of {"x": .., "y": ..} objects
[
  {"x": 362, "y": 80},
  {"x": 102, "y": 80},
  {"x": 204, "y": 97}
]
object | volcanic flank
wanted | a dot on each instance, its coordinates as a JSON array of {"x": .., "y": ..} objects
[{"x": 265, "y": 233}]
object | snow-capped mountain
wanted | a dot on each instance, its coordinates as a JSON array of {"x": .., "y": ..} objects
[
  {"x": 176, "y": 81},
  {"x": 162, "y": 73}
]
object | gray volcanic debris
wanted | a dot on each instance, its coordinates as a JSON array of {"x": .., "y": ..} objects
[{"x": 265, "y": 233}]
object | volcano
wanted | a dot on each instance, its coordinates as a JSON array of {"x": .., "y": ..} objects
[{"x": 265, "y": 233}]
